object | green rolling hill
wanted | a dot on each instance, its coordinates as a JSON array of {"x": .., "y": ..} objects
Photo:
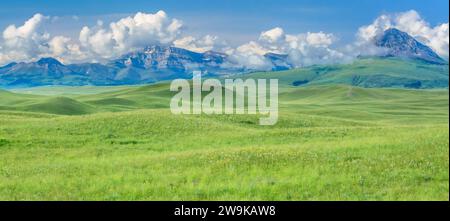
[
  {"x": 334, "y": 140},
  {"x": 367, "y": 72}
]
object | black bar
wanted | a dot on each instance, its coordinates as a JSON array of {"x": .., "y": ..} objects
[{"x": 152, "y": 209}]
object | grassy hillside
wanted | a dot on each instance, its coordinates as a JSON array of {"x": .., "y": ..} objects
[
  {"x": 332, "y": 142},
  {"x": 367, "y": 72}
]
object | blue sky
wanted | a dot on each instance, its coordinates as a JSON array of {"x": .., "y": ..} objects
[
  {"x": 308, "y": 31},
  {"x": 237, "y": 21}
]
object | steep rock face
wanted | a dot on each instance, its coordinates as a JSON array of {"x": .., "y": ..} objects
[
  {"x": 169, "y": 58},
  {"x": 400, "y": 44},
  {"x": 156, "y": 62}
]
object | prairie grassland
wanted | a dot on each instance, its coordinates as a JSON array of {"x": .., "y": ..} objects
[{"x": 330, "y": 143}]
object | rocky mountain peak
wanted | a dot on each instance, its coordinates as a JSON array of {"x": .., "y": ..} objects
[{"x": 401, "y": 44}]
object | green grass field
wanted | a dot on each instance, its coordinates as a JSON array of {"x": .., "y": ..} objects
[{"x": 332, "y": 142}]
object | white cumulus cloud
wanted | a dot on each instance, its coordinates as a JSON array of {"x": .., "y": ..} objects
[
  {"x": 302, "y": 49},
  {"x": 250, "y": 55},
  {"x": 206, "y": 43},
  {"x": 274, "y": 35},
  {"x": 130, "y": 33},
  {"x": 24, "y": 42},
  {"x": 30, "y": 42}
]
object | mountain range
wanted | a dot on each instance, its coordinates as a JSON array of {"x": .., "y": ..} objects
[
  {"x": 158, "y": 63},
  {"x": 151, "y": 64}
]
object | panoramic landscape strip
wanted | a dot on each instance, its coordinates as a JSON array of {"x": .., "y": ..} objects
[{"x": 286, "y": 101}]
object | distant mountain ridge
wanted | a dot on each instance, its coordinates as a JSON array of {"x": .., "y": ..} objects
[
  {"x": 157, "y": 63},
  {"x": 159, "y": 57},
  {"x": 151, "y": 64}
]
